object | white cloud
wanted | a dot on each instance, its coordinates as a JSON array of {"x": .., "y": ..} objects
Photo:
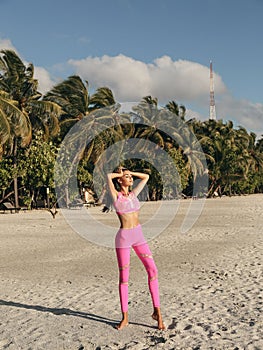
[
  {"x": 41, "y": 74},
  {"x": 131, "y": 79},
  {"x": 45, "y": 82},
  {"x": 183, "y": 81},
  {"x": 242, "y": 112},
  {"x": 6, "y": 44}
]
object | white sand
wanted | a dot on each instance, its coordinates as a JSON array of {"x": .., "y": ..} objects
[{"x": 60, "y": 291}]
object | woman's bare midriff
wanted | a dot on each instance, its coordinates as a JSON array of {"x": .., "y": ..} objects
[{"x": 129, "y": 220}]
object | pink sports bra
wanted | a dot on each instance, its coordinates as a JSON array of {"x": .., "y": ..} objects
[{"x": 126, "y": 204}]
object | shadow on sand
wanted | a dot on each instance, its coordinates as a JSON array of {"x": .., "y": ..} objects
[{"x": 69, "y": 312}]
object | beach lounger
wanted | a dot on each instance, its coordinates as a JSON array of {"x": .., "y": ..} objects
[
  {"x": 8, "y": 206},
  {"x": 41, "y": 204},
  {"x": 76, "y": 204}
]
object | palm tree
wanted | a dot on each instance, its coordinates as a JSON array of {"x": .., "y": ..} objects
[
  {"x": 103, "y": 97},
  {"x": 259, "y": 145},
  {"x": 167, "y": 129},
  {"x": 252, "y": 157},
  {"x": 97, "y": 110},
  {"x": 229, "y": 153},
  {"x": 151, "y": 124},
  {"x": 85, "y": 142},
  {"x": 14, "y": 124},
  {"x": 21, "y": 107},
  {"x": 73, "y": 98},
  {"x": 173, "y": 107},
  {"x": 95, "y": 113}
]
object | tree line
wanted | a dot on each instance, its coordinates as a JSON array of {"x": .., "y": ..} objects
[{"x": 34, "y": 127}]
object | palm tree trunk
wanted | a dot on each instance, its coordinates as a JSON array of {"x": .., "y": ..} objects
[{"x": 15, "y": 173}]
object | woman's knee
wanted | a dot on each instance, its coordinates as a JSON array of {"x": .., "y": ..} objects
[{"x": 152, "y": 270}]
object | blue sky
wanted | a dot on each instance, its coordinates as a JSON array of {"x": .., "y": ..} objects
[{"x": 140, "y": 47}]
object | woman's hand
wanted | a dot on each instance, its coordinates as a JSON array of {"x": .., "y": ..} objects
[
  {"x": 120, "y": 171},
  {"x": 117, "y": 174}
]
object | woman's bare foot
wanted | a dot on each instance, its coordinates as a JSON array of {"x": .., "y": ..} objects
[
  {"x": 124, "y": 322},
  {"x": 158, "y": 317}
]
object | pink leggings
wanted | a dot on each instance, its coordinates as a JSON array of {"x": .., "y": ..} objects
[{"x": 143, "y": 252}]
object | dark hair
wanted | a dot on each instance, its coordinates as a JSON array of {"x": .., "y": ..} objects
[
  {"x": 108, "y": 198},
  {"x": 115, "y": 181},
  {"x": 116, "y": 170}
]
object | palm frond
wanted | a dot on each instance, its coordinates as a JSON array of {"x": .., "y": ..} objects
[
  {"x": 103, "y": 97},
  {"x": 71, "y": 94},
  {"x": 4, "y": 128},
  {"x": 19, "y": 121}
]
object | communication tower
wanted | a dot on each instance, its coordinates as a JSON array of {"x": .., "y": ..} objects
[{"x": 212, "y": 114}]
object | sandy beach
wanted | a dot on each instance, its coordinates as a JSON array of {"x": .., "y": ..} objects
[{"x": 59, "y": 290}]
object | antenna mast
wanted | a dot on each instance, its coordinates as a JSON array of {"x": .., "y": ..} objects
[{"x": 212, "y": 114}]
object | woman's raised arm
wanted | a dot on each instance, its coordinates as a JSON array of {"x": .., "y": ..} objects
[
  {"x": 112, "y": 189},
  {"x": 143, "y": 177}
]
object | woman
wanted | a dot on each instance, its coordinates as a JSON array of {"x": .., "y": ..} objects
[{"x": 130, "y": 235}]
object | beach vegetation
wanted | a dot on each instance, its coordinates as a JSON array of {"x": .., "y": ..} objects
[
  {"x": 33, "y": 128},
  {"x": 36, "y": 170},
  {"x": 22, "y": 111}
]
